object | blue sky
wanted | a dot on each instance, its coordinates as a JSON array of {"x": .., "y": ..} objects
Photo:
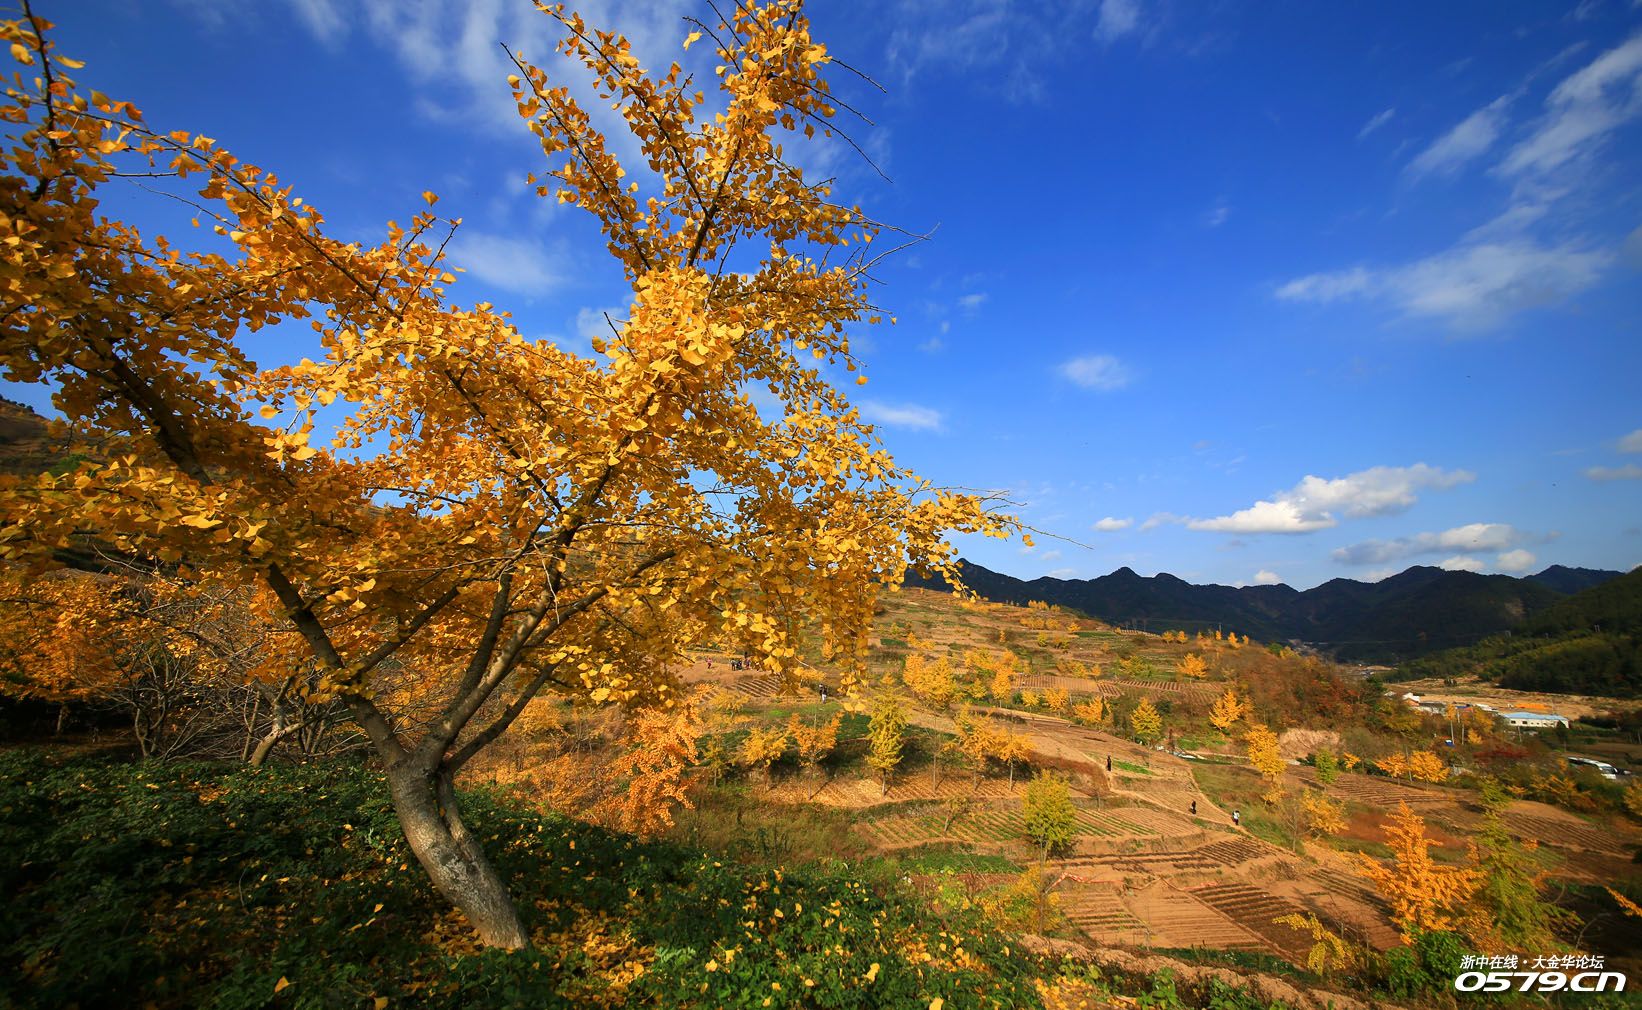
[{"x": 1244, "y": 292}]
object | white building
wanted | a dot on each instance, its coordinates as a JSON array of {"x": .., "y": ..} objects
[{"x": 1533, "y": 720}]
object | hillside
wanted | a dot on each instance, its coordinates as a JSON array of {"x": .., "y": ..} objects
[
  {"x": 1411, "y": 614},
  {"x": 1588, "y": 643}
]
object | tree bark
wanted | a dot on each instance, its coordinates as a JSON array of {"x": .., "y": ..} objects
[{"x": 452, "y": 856}]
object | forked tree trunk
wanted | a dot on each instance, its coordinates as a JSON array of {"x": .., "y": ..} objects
[{"x": 453, "y": 857}]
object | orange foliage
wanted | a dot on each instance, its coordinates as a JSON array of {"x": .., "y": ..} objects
[{"x": 1422, "y": 894}]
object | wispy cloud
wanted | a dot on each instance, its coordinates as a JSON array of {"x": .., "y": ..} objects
[
  {"x": 902, "y": 415},
  {"x": 322, "y": 20},
  {"x": 1112, "y": 524},
  {"x": 1471, "y": 287},
  {"x": 1582, "y": 111},
  {"x": 1318, "y": 503},
  {"x": 1631, "y": 442},
  {"x": 1217, "y": 215},
  {"x": 1464, "y": 143},
  {"x": 1375, "y": 122},
  {"x": 1101, "y": 372},
  {"x": 518, "y": 265},
  {"x": 1117, "y": 19},
  {"x": 1469, "y": 538},
  {"x": 1630, "y": 471},
  {"x": 971, "y": 302},
  {"x": 597, "y": 322}
]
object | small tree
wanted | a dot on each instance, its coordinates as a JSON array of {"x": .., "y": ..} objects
[
  {"x": 1092, "y": 712},
  {"x": 1422, "y": 894},
  {"x": 1146, "y": 723},
  {"x": 1194, "y": 666},
  {"x": 814, "y": 742},
  {"x": 1328, "y": 951},
  {"x": 1513, "y": 910},
  {"x": 1059, "y": 700},
  {"x": 1051, "y": 819},
  {"x": 886, "y": 736},
  {"x": 1327, "y": 766},
  {"x": 930, "y": 681},
  {"x": 762, "y": 747},
  {"x": 1266, "y": 757},
  {"x": 1324, "y": 817},
  {"x": 1227, "y": 710}
]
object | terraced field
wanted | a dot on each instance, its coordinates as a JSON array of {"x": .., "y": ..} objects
[
  {"x": 1565, "y": 833},
  {"x": 1100, "y": 913},
  {"x": 1255, "y": 909},
  {"x": 992, "y": 824}
]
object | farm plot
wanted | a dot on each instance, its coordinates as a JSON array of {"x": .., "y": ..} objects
[
  {"x": 994, "y": 825},
  {"x": 1255, "y": 910},
  {"x": 769, "y": 685},
  {"x": 1384, "y": 793},
  {"x": 1176, "y": 918},
  {"x": 1565, "y": 834},
  {"x": 1176, "y": 688},
  {"x": 859, "y": 793},
  {"x": 1101, "y": 914}
]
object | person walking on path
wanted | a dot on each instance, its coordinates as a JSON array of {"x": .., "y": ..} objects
[
  {"x": 1108, "y": 762},
  {"x": 1237, "y": 818}
]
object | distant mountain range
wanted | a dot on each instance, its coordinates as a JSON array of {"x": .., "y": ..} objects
[
  {"x": 1587, "y": 643},
  {"x": 1419, "y": 611}
]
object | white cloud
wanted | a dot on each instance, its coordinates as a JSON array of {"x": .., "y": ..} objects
[
  {"x": 1267, "y": 577},
  {"x": 1157, "y": 519},
  {"x": 1461, "y": 563},
  {"x": 1470, "y": 537},
  {"x": 1317, "y": 502},
  {"x": 1111, "y": 524},
  {"x": 1581, "y": 111},
  {"x": 969, "y": 303},
  {"x": 1097, "y": 371},
  {"x": 1062, "y": 573},
  {"x": 903, "y": 415},
  {"x": 1630, "y": 471},
  {"x": 321, "y": 19},
  {"x": 1376, "y": 122},
  {"x": 1515, "y": 561},
  {"x": 1465, "y": 142},
  {"x": 932, "y": 345},
  {"x": 1327, "y": 287},
  {"x": 1266, "y": 517},
  {"x": 1216, "y": 216},
  {"x": 518, "y": 265},
  {"x": 1117, "y": 19},
  {"x": 1631, "y": 442},
  {"x": 597, "y": 322},
  {"x": 1472, "y": 286}
]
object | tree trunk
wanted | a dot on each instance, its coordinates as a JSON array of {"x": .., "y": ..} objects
[{"x": 452, "y": 856}]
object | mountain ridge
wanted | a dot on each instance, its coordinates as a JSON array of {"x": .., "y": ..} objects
[{"x": 1417, "y": 611}]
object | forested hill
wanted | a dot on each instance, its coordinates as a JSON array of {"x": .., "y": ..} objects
[
  {"x": 1417, "y": 612},
  {"x": 1589, "y": 643}
]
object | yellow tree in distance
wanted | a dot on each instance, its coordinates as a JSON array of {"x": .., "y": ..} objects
[
  {"x": 494, "y": 516},
  {"x": 1227, "y": 710}
]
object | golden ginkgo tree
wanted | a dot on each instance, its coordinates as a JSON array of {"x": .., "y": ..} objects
[{"x": 493, "y": 516}]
